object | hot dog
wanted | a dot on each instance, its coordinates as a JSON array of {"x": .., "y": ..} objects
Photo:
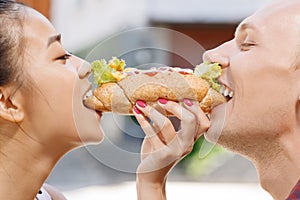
[{"x": 119, "y": 87}]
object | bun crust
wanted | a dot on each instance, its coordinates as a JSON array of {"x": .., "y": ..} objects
[{"x": 119, "y": 97}]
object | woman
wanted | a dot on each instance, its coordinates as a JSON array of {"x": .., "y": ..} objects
[
  {"x": 41, "y": 92},
  {"x": 42, "y": 115}
]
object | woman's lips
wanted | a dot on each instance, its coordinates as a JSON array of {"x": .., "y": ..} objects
[
  {"x": 99, "y": 113},
  {"x": 85, "y": 97},
  {"x": 90, "y": 106},
  {"x": 87, "y": 94}
]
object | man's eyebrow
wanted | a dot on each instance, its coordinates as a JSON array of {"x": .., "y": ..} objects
[
  {"x": 54, "y": 38},
  {"x": 245, "y": 26}
]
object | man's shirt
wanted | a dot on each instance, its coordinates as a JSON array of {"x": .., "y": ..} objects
[{"x": 295, "y": 193}]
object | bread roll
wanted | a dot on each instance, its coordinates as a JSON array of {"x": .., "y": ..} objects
[{"x": 120, "y": 97}]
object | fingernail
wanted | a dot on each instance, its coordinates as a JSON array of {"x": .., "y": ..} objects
[
  {"x": 188, "y": 102},
  {"x": 136, "y": 110},
  {"x": 141, "y": 103},
  {"x": 163, "y": 101}
]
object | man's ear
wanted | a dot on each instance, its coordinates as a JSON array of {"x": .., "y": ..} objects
[{"x": 11, "y": 104}]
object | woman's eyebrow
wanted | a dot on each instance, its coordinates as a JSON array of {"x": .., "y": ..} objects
[{"x": 54, "y": 38}]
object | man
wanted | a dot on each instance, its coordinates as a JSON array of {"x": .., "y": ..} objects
[
  {"x": 262, "y": 66},
  {"x": 262, "y": 121}
]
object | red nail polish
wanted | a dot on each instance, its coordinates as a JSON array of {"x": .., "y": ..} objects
[
  {"x": 188, "y": 102},
  {"x": 141, "y": 103},
  {"x": 136, "y": 110},
  {"x": 163, "y": 101}
]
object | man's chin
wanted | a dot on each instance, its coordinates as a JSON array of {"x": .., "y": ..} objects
[
  {"x": 212, "y": 137},
  {"x": 218, "y": 116},
  {"x": 215, "y": 131}
]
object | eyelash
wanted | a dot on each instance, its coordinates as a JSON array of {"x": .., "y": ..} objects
[
  {"x": 65, "y": 57},
  {"x": 246, "y": 45}
]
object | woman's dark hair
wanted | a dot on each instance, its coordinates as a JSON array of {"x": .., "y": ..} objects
[{"x": 11, "y": 41}]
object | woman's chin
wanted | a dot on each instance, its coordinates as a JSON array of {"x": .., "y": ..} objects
[
  {"x": 92, "y": 137},
  {"x": 88, "y": 126}
]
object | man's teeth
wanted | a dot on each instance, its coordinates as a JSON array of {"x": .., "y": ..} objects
[{"x": 227, "y": 92}]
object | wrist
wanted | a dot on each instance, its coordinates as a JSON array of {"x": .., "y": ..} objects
[
  {"x": 147, "y": 189},
  {"x": 153, "y": 178},
  {"x": 149, "y": 181}
]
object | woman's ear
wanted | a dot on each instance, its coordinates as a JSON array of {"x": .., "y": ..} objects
[{"x": 11, "y": 105}]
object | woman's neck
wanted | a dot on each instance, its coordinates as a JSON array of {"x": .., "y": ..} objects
[{"x": 24, "y": 166}]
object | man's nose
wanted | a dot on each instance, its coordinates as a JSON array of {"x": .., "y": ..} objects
[
  {"x": 218, "y": 55},
  {"x": 214, "y": 57}
]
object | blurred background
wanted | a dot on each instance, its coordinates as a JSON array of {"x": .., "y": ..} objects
[{"x": 160, "y": 32}]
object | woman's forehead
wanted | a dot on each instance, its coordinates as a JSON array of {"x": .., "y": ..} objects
[{"x": 37, "y": 29}]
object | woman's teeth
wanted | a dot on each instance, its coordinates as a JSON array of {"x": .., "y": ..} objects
[
  {"x": 227, "y": 92},
  {"x": 89, "y": 93}
]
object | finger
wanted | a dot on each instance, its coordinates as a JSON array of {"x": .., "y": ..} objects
[
  {"x": 203, "y": 122},
  {"x": 161, "y": 123},
  {"x": 148, "y": 129},
  {"x": 188, "y": 119}
]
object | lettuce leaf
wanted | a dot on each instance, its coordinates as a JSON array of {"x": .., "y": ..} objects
[
  {"x": 117, "y": 64},
  {"x": 104, "y": 72},
  {"x": 210, "y": 72}
]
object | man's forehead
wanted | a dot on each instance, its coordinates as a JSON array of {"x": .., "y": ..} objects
[
  {"x": 281, "y": 11},
  {"x": 280, "y": 7}
]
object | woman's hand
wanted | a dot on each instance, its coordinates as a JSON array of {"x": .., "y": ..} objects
[{"x": 163, "y": 147}]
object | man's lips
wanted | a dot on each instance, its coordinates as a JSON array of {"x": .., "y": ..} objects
[
  {"x": 225, "y": 80},
  {"x": 226, "y": 90}
]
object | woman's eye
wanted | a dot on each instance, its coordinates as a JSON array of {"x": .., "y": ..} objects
[{"x": 65, "y": 56}]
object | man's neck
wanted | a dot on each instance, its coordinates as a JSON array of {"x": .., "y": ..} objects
[
  {"x": 279, "y": 174},
  {"x": 278, "y": 179}
]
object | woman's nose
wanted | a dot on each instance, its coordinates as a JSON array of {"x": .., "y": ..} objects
[{"x": 84, "y": 70}]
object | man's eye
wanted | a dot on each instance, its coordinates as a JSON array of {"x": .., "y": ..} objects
[
  {"x": 65, "y": 57},
  {"x": 247, "y": 45}
]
